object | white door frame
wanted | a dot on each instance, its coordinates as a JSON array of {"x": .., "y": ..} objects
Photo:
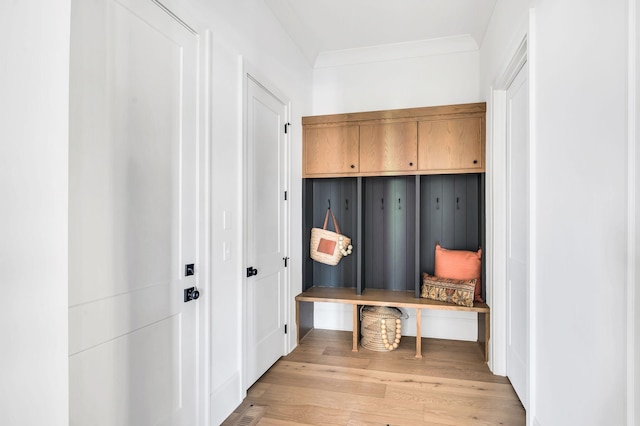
[
  {"x": 249, "y": 71},
  {"x": 496, "y": 211},
  {"x": 203, "y": 379},
  {"x": 496, "y": 215}
]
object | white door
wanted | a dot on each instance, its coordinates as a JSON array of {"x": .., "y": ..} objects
[
  {"x": 266, "y": 231},
  {"x": 133, "y": 216},
  {"x": 518, "y": 234}
]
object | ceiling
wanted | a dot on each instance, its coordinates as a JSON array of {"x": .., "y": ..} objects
[{"x": 320, "y": 26}]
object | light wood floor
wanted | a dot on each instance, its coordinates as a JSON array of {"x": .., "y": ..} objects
[{"x": 322, "y": 382}]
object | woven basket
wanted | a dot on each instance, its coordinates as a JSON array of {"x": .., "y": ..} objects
[{"x": 378, "y": 322}]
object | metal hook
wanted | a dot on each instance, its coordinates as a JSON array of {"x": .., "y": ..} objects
[
  {"x": 399, "y": 206},
  {"x": 346, "y": 203},
  {"x": 437, "y": 203},
  {"x": 329, "y": 201},
  {"x": 382, "y": 203},
  {"x": 457, "y": 203}
]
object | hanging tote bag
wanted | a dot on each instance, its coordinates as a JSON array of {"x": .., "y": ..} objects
[{"x": 329, "y": 247}]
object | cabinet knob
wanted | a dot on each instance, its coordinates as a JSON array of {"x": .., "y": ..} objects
[
  {"x": 411, "y": 164},
  {"x": 475, "y": 161},
  {"x": 353, "y": 166}
]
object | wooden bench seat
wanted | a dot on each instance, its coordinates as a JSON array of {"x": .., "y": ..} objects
[{"x": 398, "y": 299}]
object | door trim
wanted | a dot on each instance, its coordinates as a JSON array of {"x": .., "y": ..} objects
[
  {"x": 633, "y": 237},
  {"x": 496, "y": 212},
  {"x": 203, "y": 372},
  {"x": 253, "y": 73}
]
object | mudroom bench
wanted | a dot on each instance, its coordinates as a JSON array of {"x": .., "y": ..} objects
[{"x": 389, "y": 298}]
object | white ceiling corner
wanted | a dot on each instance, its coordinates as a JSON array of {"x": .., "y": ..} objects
[{"x": 346, "y": 31}]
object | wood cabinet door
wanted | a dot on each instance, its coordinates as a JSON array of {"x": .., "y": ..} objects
[
  {"x": 331, "y": 150},
  {"x": 388, "y": 147},
  {"x": 454, "y": 144}
]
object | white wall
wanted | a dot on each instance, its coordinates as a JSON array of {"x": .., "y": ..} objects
[
  {"x": 581, "y": 149},
  {"x": 579, "y": 82},
  {"x": 33, "y": 160},
  {"x": 34, "y": 90},
  {"x": 635, "y": 285},
  {"x": 368, "y": 85},
  {"x": 243, "y": 32},
  {"x": 507, "y": 30},
  {"x": 384, "y": 78},
  {"x": 634, "y": 185}
]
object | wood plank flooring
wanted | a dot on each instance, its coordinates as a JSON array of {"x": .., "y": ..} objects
[{"x": 322, "y": 382}]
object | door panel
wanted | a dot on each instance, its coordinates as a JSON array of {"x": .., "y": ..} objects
[
  {"x": 132, "y": 215},
  {"x": 266, "y": 231},
  {"x": 518, "y": 234}
]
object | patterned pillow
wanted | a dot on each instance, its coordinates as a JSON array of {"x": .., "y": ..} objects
[
  {"x": 460, "y": 265},
  {"x": 448, "y": 290}
]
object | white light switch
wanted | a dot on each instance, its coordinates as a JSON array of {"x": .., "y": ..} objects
[{"x": 226, "y": 251}]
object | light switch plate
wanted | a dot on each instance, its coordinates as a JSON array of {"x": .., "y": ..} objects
[{"x": 226, "y": 251}]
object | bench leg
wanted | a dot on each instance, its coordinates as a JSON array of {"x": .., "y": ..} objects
[
  {"x": 356, "y": 327},
  {"x": 418, "y": 333},
  {"x": 487, "y": 328},
  {"x": 484, "y": 327},
  {"x": 298, "y": 321}
]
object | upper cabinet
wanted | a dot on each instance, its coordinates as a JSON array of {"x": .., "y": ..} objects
[
  {"x": 331, "y": 150},
  {"x": 430, "y": 140},
  {"x": 451, "y": 145},
  {"x": 388, "y": 147}
]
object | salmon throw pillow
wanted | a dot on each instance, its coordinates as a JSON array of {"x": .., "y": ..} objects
[{"x": 460, "y": 265}]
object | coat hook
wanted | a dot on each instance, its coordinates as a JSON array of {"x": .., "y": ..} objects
[
  {"x": 399, "y": 206},
  {"x": 329, "y": 201},
  {"x": 346, "y": 203},
  {"x": 382, "y": 203},
  {"x": 437, "y": 203},
  {"x": 457, "y": 203}
]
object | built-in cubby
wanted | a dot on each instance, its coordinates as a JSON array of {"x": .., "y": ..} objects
[
  {"x": 398, "y": 181},
  {"x": 394, "y": 223}
]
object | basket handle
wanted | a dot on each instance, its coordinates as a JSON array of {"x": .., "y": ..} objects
[{"x": 335, "y": 222}]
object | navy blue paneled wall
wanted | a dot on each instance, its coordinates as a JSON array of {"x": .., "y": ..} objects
[
  {"x": 389, "y": 218},
  {"x": 342, "y": 194},
  {"x": 450, "y": 207}
]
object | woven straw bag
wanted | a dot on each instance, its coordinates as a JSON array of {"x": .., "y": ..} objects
[
  {"x": 329, "y": 247},
  {"x": 381, "y": 328}
]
